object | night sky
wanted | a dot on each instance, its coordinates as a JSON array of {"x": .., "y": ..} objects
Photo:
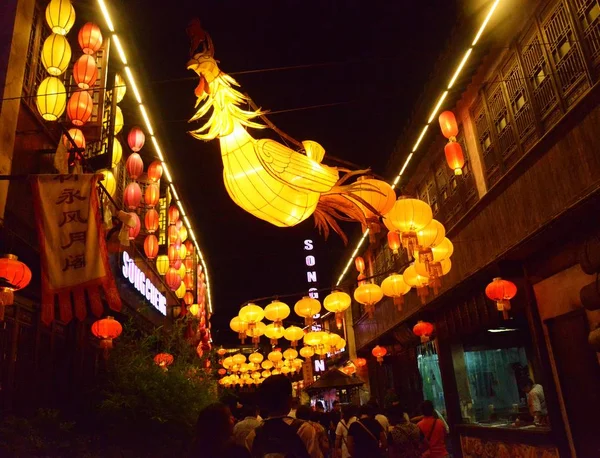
[{"x": 379, "y": 56}]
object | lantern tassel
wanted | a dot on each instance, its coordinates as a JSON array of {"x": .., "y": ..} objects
[{"x": 398, "y": 302}]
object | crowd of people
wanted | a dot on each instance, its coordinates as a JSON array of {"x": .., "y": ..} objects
[{"x": 290, "y": 430}]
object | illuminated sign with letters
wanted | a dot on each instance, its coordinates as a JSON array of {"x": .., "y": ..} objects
[{"x": 146, "y": 288}]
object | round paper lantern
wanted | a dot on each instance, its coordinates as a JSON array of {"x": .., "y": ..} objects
[
  {"x": 276, "y": 312},
  {"x": 394, "y": 243},
  {"x": 188, "y": 298},
  {"x": 77, "y": 137},
  {"x": 188, "y": 263},
  {"x": 442, "y": 251},
  {"x": 155, "y": 171},
  {"x": 90, "y": 38},
  {"x": 395, "y": 287},
  {"x": 109, "y": 182},
  {"x": 251, "y": 314},
  {"x": 120, "y": 88},
  {"x": 162, "y": 264},
  {"x": 117, "y": 152},
  {"x": 359, "y": 263},
  {"x": 106, "y": 330},
  {"x": 454, "y": 157},
  {"x": 307, "y": 352},
  {"x": 501, "y": 291},
  {"x": 85, "y": 72},
  {"x": 379, "y": 353},
  {"x": 163, "y": 360},
  {"x": 132, "y": 196},
  {"x": 337, "y": 302},
  {"x": 290, "y": 354},
  {"x": 274, "y": 333},
  {"x": 368, "y": 294},
  {"x": 14, "y": 275},
  {"x": 239, "y": 359},
  {"x": 360, "y": 362},
  {"x": 136, "y": 140},
  {"x": 448, "y": 124},
  {"x": 240, "y": 326},
  {"x": 173, "y": 214},
  {"x": 60, "y": 16},
  {"x": 408, "y": 216},
  {"x": 194, "y": 309},
  {"x": 151, "y": 246},
  {"x": 56, "y": 54},
  {"x": 349, "y": 370},
  {"x": 119, "y": 121},
  {"x": 307, "y": 307},
  {"x": 433, "y": 271},
  {"x": 275, "y": 357},
  {"x": 256, "y": 358},
  {"x": 79, "y": 107},
  {"x": 173, "y": 254},
  {"x": 293, "y": 334},
  {"x": 135, "y": 230},
  {"x": 179, "y": 224},
  {"x": 172, "y": 278},
  {"x": 151, "y": 195},
  {"x": 414, "y": 280},
  {"x": 183, "y": 235},
  {"x": 172, "y": 234},
  {"x": 51, "y": 98},
  {"x": 180, "y": 291},
  {"x": 423, "y": 329},
  {"x": 431, "y": 235},
  {"x": 134, "y": 166},
  {"x": 151, "y": 221},
  {"x": 182, "y": 251},
  {"x": 181, "y": 271},
  {"x": 256, "y": 331},
  {"x": 313, "y": 338}
]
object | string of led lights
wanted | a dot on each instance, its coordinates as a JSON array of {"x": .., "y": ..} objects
[
  {"x": 143, "y": 111},
  {"x": 434, "y": 112}
]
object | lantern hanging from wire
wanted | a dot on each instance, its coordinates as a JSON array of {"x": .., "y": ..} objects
[
  {"x": 408, "y": 216},
  {"x": 434, "y": 271},
  {"x": 172, "y": 234},
  {"x": 89, "y": 38},
  {"x": 132, "y": 196},
  {"x": 452, "y": 150},
  {"x": 181, "y": 270},
  {"x": 136, "y": 140},
  {"x": 79, "y": 107},
  {"x": 290, "y": 354},
  {"x": 431, "y": 235},
  {"x": 251, "y": 314},
  {"x": 424, "y": 330},
  {"x": 151, "y": 246},
  {"x": 393, "y": 239},
  {"x": 267, "y": 364},
  {"x": 119, "y": 121},
  {"x": 442, "y": 251},
  {"x": 188, "y": 298},
  {"x": 162, "y": 264},
  {"x": 107, "y": 329},
  {"x": 51, "y": 98},
  {"x": 240, "y": 326},
  {"x": 313, "y": 338},
  {"x": 501, "y": 291},
  {"x": 151, "y": 195},
  {"x": 306, "y": 308},
  {"x": 180, "y": 291},
  {"x": 134, "y": 166},
  {"x": 275, "y": 357},
  {"x": 183, "y": 235},
  {"x": 307, "y": 352},
  {"x": 276, "y": 312},
  {"x": 188, "y": 279},
  {"x": 420, "y": 283},
  {"x": 448, "y": 124},
  {"x": 173, "y": 279},
  {"x": 349, "y": 370},
  {"x": 256, "y": 332},
  {"x": 337, "y": 302},
  {"x": 379, "y": 352},
  {"x": 188, "y": 263},
  {"x": 155, "y": 171},
  {"x": 60, "y": 16},
  {"x": 85, "y": 72},
  {"x": 14, "y": 276},
  {"x": 379, "y": 196},
  {"x": 108, "y": 181},
  {"x": 163, "y": 360},
  {"x": 56, "y": 54},
  {"x": 395, "y": 287},
  {"x": 359, "y": 263},
  {"x": 368, "y": 294},
  {"x": 293, "y": 334},
  {"x": 256, "y": 358},
  {"x": 194, "y": 309},
  {"x": 120, "y": 88}
]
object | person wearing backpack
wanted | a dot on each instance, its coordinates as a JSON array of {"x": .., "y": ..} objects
[
  {"x": 279, "y": 435},
  {"x": 434, "y": 431},
  {"x": 349, "y": 416},
  {"x": 366, "y": 437}
]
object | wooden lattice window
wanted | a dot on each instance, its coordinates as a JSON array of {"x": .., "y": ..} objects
[
  {"x": 588, "y": 14},
  {"x": 499, "y": 115},
  {"x": 518, "y": 99},
  {"x": 484, "y": 137},
  {"x": 34, "y": 70}
]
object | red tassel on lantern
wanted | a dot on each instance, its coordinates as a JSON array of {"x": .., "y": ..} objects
[
  {"x": 151, "y": 195},
  {"x": 85, "y": 72},
  {"x": 90, "y": 38},
  {"x": 155, "y": 171},
  {"x": 151, "y": 221},
  {"x": 79, "y": 107},
  {"x": 134, "y": 166},
  {"x": 132, "y": 196},
  {"x": 136, "y": 140},
  {"x": 151, "y": 246}
]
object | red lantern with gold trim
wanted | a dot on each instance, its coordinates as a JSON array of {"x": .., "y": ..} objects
[
  {"x": 151, "y": 246},
  {"x": 155, "y": 171},
  {"x": 90, "y": 38},
  {"x": 448, "y": 124},
  {"x": 423, "y": 329},
  {"x": 134, "y": 166},
  {"x": 501, "y": 291},
  {"x": 379, "y": 353},
  {"x": 173, "y": 279},
  {"x": 360, "y": 362},
  {"x": 151, "y": 195},
  {"x": 136, "y": 140},
  {"x": 173, "y": 216},
  {"x": 14, "y": 275},
  {"x": 107, "y": 329},
  {"x": 85, "y": 72},
  {"x": 132, "y": 196},
  {"x": 151, "y": 221},
  {"x": 79, "y": 107},
  {"x": 454, "y": 157}
]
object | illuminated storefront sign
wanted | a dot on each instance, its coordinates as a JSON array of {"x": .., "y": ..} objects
[
  {"x": 146, "y": 288},
  {"x": 319, "y": 365},
  {"x": 311, "y": 276}
]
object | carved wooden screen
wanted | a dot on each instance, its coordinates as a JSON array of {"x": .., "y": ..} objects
[
  {"x": 491, "y": 166},
  {"x": 34, "y": 70},
  {"x": 502, "y": 124},
  {"x": 588, "y": 15}
]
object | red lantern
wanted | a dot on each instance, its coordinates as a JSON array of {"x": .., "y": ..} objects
[
  {"x": 106, "y": 330},
  {"x": 394, "y": 242},
  {"x": 379, "y": 353},
  {"x": 189, "y": 246},
  {"x": 135, "y": 230},
  {"x": 132, "y": 196},
  {"x": 151, "y": 195},
  {"x": 189, "y": 281},
  {"x": 163, "y": 360},
  {"x": 136, "y": 140},
  {"x": 188, "y": 298},
  {"x": 359, "y": 263},
  {"x": 349, "y": 370},
  {"x": 79, "y": 107},
  {"x": 454, "y": 157},
  {"x": 151, "y": 221},
  {"x": 448, "y": 124},
  {"x": 173, "y": 279},
  {"x": 155, "y": 171},
  {"x": 189, "y": 264},
  {"x": 77, "y": 137},
  {"x": 360, "y": 362},
  {"x": 90, "y": 38},
  {"x": 179, "y": 224},
  {"x": 14, "y": 275},
  {"x": 134, "y": 166},
  {"x": 174, "y": 259},
  {"x": 423, "y": 329},
  {"x": 222, "y": 371},
  {"x": 173, "y": 235},
  {"x": 173, "y": 215},
  {"x": 85, "y": 72},
  {"x": 151, "y": 246},
  {"x": 501, "y": 291}
]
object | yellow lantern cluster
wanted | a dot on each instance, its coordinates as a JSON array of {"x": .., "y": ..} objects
[
  {"x": 239, "y": 326},
  {"x": 408, "y": 216}
]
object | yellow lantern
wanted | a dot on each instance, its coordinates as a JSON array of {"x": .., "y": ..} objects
[
  {"x": 181, "y": 271},
  {"x": 276, "y": 312},
  {"x": 51, "y": 98},
  {"x": 266, "y": 364},
  {"x": 394, "y": 286},
  {"x": 194, "y": 309},
  {"x": 117, "y": 152},
  {"x": 433, "y": 271},
  {"x": 408, "y": 216},
  {"x": 244, "y": 368},
  {"x": 255, "y": 375},
  {"x": 240, "y": 326},
  {"x": 183, "y": 234},
  {"x": 293, "y": 334},
  {"x": 60, "y": 16},
  {"x": 285, "y": 370},
  {"x": 183, "y": 253},
  {"x": 266, "y": 374},
  {"x": 120, "y": 87},
  {"x": 379, "y": 195},
  {"x": 334, "y": 340},
  {"x": 256, "y": 358},
  {"x": 307, "y": 352},
  {"x": 110, "y": 184},
  {"x": 414, "y": 280},
  {"x": 119, "y": 122},
  {"x": 368, "y": 294},
  {"x": 314, "y": 338},
  {"x": 275, "y": 357},
  {"x": 56, "y": 54},
  {"x": 337, "y": 302},
  {"x": 228, "y": 362},
  {"x": 442, "y": 251},
  {"x": 162, "y": 264},
  {"x": 275, "y": 372},
  {"x": 307, "y": 307},
  {"x": 339, "y": 345},
  {"x": 251, "y": 314},
  {"x": 431, "y": 235},
  {"x": 180, "y": 292},
  {"x": 238, "y": 359},
  {"x": 290, "y": 354},
  {"x": 297, "y": 364},
  {"x": 274, "y": 333},
  {"x": 256, "y": 331}
]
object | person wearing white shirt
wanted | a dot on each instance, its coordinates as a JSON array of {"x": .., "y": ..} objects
[{"x": 349, "y": 416}]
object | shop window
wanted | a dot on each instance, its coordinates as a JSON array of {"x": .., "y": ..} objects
[
  {"x": 429, "y": 368},
  {"x": 538, "y": 78}
]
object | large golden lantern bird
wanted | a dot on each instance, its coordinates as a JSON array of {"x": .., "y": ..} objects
[{"x": 264, "y": 177}]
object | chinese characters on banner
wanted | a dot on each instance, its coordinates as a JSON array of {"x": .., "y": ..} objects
[{"x": 72, "y": 246}]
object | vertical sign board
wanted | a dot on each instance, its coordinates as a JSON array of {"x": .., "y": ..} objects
[{"x": 311, "y": 272}]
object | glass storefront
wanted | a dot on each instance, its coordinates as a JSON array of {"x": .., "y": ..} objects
[{"x": 433, "y": 390}]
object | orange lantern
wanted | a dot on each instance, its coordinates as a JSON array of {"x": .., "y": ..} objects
[
  {"x": 189, "y": 245},
  {"x": 14, "y": 275},
  {"x": 188, "y": 263},
  {"x": 134, "y": 166},
  {"x": 163, "y": 360},
  {"x": 423, "y": 329},
  {"x": 379, "y": 352},
  {"x": 222, "y": 371},
  {"x": 188, "y": 298},
  {"x": 151, "y": 195},
  {"x": 349, "y": 370},
  {"x": 337, "y": 302},
  {"x": 368, "y": 294},
  {"x": 85, "y": 72},
  {"x": 151, "y": 221},
  {"x": 172, "y": 234},
  {"x": 188, "y": 279},
  {"x": 90, "y": 38},
  {"x": 359, "y": 263},
  {"x": 79, "y": 107},
  {"x": 394, "y": 242},
  {"x": 501, "y": 291},
  {"x": 135, "y": 230},
  {"x": 155, "y": 171},
  {"x": 106, "y": 330},
  {"x": 221, "y": 352},
  {"x": 136, "y": 140},
  {"x": 173, "y": 215},
  {"x": 77, "y": 137},
  {"x": 132, "y": 196},
  {"x": 360, "y": 362},
  {"x": 173, "y": 279},
  {"x": 151, "y": 246},
  {"x": 173, "y": 254},
  {"x": 454, "y": 157},
  {"x": 419, "y": 282},
  {"x": 448, "y": 125}
]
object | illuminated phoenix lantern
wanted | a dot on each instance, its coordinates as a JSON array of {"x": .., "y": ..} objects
[{"x": 264, "y": 177}]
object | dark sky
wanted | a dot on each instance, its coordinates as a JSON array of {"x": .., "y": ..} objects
[{"x": 382, "y": 54}]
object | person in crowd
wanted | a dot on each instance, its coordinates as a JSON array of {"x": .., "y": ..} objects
[
  {"x": 248, "y": 423},
  {"x": 536, "y": 401},
  {"x": 305, "y": 413},
  {"x": 349, "y": 416},
  {"x": 335, "y": 415},
  {"x": 379, "y": 416},
  {"x": 405, "y": 439},
  {"x": 295, "y": 404},
  {"x": 366, "y": 437},
  {"x": 214, "y": 434},
  {"x": 279, "y": 433},
  {"x": 434, "y": 431}
]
